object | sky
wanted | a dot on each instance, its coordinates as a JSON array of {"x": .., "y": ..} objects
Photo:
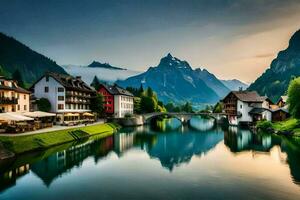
[{"x": 230, "y": 38}]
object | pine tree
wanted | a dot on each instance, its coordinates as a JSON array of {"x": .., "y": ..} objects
[
  {"x": 18, "y": 77},
  {"x": 96, "y": 83}
]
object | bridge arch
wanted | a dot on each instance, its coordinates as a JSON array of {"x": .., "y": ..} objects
[{"x": 182, "y": 118}]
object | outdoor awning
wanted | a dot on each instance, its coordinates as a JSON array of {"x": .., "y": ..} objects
[
  {"x": 38, "y": 114},
  {"x": 71, "y": 115},
  {"x": 14, "y": 117},
  {"x": 88, "y": 114}
]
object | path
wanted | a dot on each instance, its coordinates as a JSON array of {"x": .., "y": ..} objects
[{"x": 54, "y": 128}]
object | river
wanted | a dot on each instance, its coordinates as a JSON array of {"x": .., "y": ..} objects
[{"x": 161, "y": 161}]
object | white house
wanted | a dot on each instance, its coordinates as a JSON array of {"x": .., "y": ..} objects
[
  {"x": 246, "y": 107},
  {"x": 69, "y": 96}
]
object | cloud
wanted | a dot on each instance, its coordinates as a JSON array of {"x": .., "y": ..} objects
[{"x": 264, "y": 55}]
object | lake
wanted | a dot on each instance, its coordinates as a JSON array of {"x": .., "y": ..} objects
[{"x": 161, "y": 161}]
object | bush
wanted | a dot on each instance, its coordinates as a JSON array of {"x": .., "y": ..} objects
[
  {"x": 128, "y": 115},
  {"x": 264, "y": 125},
  {"x": 44, "y": 105}
]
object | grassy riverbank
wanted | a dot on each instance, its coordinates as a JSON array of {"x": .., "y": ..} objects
[
  {"x": 289, "y": 126},
  {"x": 25, "y": 143}
]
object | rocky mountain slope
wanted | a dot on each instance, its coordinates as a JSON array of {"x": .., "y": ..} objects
[{"x": 275, "y": 80}]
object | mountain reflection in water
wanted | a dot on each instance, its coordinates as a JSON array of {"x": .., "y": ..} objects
[{"x": 166, "y": 141}]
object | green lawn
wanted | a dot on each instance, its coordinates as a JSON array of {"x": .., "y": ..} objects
[
  {"x": 20, "y": 144},
  {"x": 288, "y": 125}
]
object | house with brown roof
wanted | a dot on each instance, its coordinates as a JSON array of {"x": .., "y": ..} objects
[
  {"x": 13, "y": 98},
  {"x": 117, "y": 101},
  {"x": 69, "y": 96},
  {"x": 244, "y": 107}
]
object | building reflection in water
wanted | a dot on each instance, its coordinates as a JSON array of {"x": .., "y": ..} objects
[
  {"x": 9, "y": 178},
  {"x": 169, "y": 146},
  {"x": 286, "y": 150}
]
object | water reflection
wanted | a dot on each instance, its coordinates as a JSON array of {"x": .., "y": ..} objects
[
  {"x": 240, "y": 140},
  {"x": 168, "y": 143}
]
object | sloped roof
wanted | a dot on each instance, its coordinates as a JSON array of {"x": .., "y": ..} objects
[
  {"x": 69, "y": 82},
  {"x": 14, "y": 86},
  {"x": 247, "y": 96},
  {"x": 258, "y": 110},
  {"x": 117, "y": 90}
]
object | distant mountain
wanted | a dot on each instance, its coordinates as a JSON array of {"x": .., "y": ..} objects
[
  {"x": 174, "y": 80},
  {"x": 16, "y": 56},
  {"x": 275, "y": 80},
  {"x": 234, "y": 84},
  {"x": 212, "y": 81},
  {"x": 104, "y": 65}
]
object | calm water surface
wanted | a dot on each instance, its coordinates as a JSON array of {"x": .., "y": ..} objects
[{"x": 162, "y": 161}]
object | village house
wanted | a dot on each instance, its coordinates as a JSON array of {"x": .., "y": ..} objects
[
  {"x": 117, "y": 101},
  {"x": 244, "y": 107},
  {"x": 69, "y": 97},
  {"x": 282, "y": 102},
  {"x": 12, "y": 97}
]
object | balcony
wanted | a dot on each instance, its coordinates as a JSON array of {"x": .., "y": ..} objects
[
  {"x": 77, "y": 94},
  {"x": 7, "y": 100},
  {"x": 76, "y": 101}
]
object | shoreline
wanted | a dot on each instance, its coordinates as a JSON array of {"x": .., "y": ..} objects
[{"x": 15, "y": 145}]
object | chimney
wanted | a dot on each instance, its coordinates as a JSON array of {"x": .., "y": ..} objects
[{"x": 240, "y": 89}]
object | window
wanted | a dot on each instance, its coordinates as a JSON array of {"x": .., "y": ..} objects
[
  {"x": 60, "y": 106},
  {"x": 46, "y": 89},
  {"x": 47, "y": 78},
  {"x": 25, "y": 107},
  {"x": 24, "y": 96},
  {"x": 60, "y": 89},
  {"x": 61, "y": 98},
  {"x": 241, "y": 106},
  {"x": 19, "y": 107}
]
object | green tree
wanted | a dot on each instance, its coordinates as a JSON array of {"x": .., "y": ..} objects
[
  {"x": 18, "y": 77},
  {"x": 187, "y": 107},
  {"x": 150, "y": 92},
  {"x": 218, "y": 108},
  {"x": 96, "y": 83},
  {"x": 140, "y": 91},
  {"x": 97, "y": 104},
  {"x": 137, "y": 105},
  {"x": 148, "y": 104},
  {"x": 294, "y": 98},
  {"x": 43, "y": 104},
  {"x": 170, "y": 107}
]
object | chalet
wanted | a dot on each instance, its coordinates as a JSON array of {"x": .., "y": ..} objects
[
  {"x": 117, "y": 101},
  {"x": 69, "y": 96},
  {"x": 280, "y": 114},
  {"x": 282, "y": 102},
  {"x": 243, "y": 107}
]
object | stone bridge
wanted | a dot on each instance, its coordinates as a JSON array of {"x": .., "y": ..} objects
[{"x": 183, "y": 117}]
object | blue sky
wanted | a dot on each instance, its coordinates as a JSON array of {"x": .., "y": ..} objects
[{"x": 232, "y": 39}]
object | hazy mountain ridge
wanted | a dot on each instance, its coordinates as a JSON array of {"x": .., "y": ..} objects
[
  {"x": 234, "y": 84},
  {"x": 275, "y": 80}
]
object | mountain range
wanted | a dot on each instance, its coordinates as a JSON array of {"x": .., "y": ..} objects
[
  {"x": 174, "y": 80},
  {"x": 16, "y": 56},
  {"x": 275, "y": 80}
]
